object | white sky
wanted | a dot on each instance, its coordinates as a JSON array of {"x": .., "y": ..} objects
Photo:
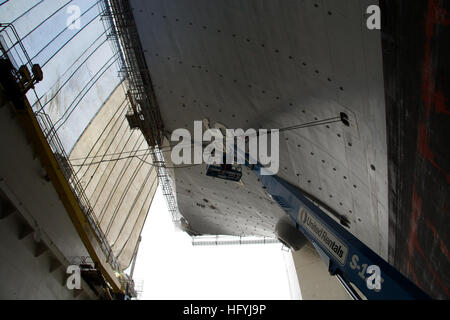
[{"x": 173, "y": 269}]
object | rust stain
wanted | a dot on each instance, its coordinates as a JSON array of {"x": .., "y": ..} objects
[
  {"x": 425, "y": 151},
  {"x": 414, "y": 244},
  {"x": 438, "y": 238},
  {"x": 411, "y": 271},
  {"x": 431, "y": 95}
]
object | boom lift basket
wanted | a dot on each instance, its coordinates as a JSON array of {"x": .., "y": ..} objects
[{"x": 225, "y": 171}]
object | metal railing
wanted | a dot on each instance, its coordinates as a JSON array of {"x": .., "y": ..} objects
[
  {"x": 76, "y": 187},
  {"x": 164, "y": 181},
  {"x": 12, "y": 48},
  {"x": 198, "y": 241}
]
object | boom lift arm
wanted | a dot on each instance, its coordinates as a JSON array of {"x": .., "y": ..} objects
[{"x": 349, "y": 259}]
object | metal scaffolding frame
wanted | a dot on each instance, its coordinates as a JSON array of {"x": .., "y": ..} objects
[
  {"x": 165, "y": 183},
  {"x": 199, "y": 241},
  {"x": 118, "y": 19}
]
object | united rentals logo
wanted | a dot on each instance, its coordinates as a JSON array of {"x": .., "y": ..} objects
[{"x": 324, "y": 236}]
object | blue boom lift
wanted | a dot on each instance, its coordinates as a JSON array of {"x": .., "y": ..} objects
[{"x": 351, "y": 261}]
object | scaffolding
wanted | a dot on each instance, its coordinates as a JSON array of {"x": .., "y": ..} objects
[
  {"x": 231, "y": 241},
  {"x": 139, "y": 287},
  {"x": 118, "y": 18},
  {"x": 165, "y": 183}
]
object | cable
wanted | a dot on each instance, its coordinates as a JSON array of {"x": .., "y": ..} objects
[
  {"x": 301, "y": 126},
  {"x": 305, "y": 125},
  {"x": 291, "y": 128},
  {"x": 117, "y": 181},
  {"x": 136, "y": 198},
  {"x": 26, "y": 11},
  {"x": 90, "y": 87},
  {"x": 98, "y": 192},
  {"x": 70, "y": 39},
  {"x": 66, "y": 28},
  {"x": 180, "y": 167},
  {"x": 113, "y": 122},
  {"x": 134, "y": 156},
  {"x": 110, "y": 154},
  {"x": 311, "y": 124},
  {"x": 127, "y": 139},
  {"x": 44, "y": 21},
  {"x": 109, "y": 142},
  {"x": 103, "y": 161},
  {"x": 123, "y": 195},
  {"x": 147, "y": 204},
  {"x": 72, "y": 75},
  {"x": 75, "y": 62}
]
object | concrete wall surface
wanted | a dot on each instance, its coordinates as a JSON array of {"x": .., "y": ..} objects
[
  {"x": 37, "y": 238},
  {"x": 315, "y": 281}
]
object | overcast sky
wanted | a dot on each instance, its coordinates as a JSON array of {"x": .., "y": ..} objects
[{"x": 171, "y": 268}]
